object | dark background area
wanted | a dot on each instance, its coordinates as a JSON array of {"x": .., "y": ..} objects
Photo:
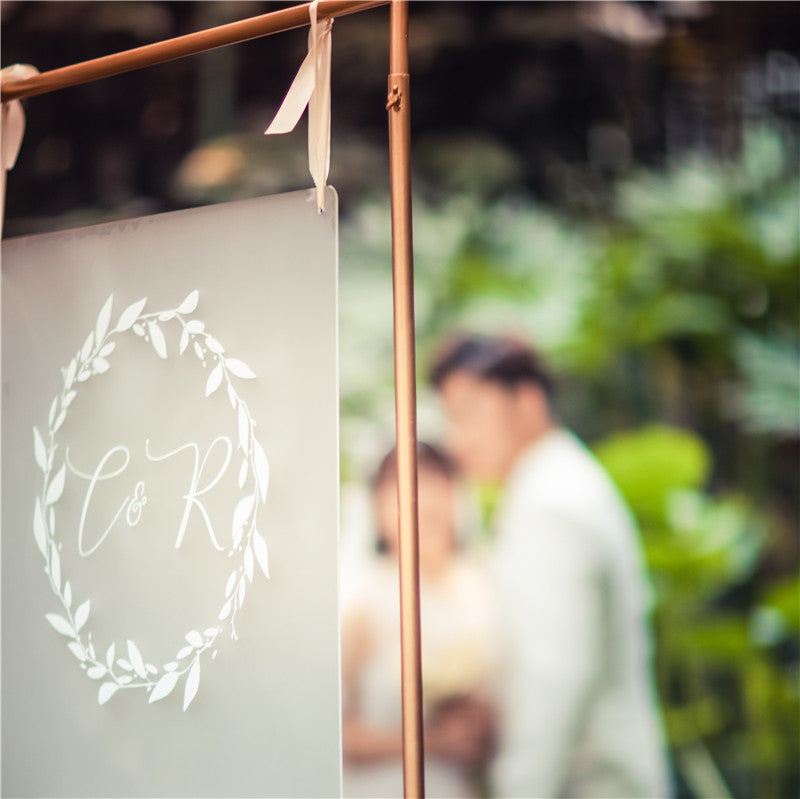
[{"x": 555, "y": 99}]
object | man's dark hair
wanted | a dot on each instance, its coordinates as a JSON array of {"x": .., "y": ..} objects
[{"x": 500, "y": 359}]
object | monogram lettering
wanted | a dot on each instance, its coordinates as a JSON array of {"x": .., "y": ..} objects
[{"x": 115, "y": 462}]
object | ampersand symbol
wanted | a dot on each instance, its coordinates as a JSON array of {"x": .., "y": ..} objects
[{"x": 139, "y": 500}]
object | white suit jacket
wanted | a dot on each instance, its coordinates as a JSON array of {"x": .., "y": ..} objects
[{"x": 579, "y": 715}]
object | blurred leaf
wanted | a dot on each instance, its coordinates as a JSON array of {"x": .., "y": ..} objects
[
  {"x": 784, "y": 597},
  {"x": 678, "y": 313},
  {"x": 649, "y": 463},
  {"x": 770, "y": 398},
  {"x": 690, "y": 723},
  {"x": 723, "y": 640}
]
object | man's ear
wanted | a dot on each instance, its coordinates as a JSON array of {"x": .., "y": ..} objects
[{"x": 533, "y": 404}]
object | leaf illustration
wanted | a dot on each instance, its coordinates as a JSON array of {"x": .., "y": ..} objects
[
  {"x": 81, "y": 615},
  {"x": 191, "y": 327},
  {"x": 239, "y": 368},
  {"x": 157, "y": 339},
  {"x": 150, "y": 668},
  {"x": 214, "y": 345},
  {"x": 214, "y": 380},
  {"x": 192, "y": 683},
  {"x": 242, "y": 473},
  {"x": 39, "y": 450},
  {"x": 171, "y": 666},
  {"x": 190, "y": 303},
  {"x": 77, "y": 650},
  {"x": 87, "y": 346},
  {"x": 240, "y": 593},
  {"x": 60, "y": 420},
  {"x": 164, "y": 686},
  {"x": 102, "y": 319},
  {"x": 226, "y": 611},
  {"x": 100, "y": 365},
  {"x": 138, "y": 329},
  {"x": 60, "y": 624},
  {"x": 165, "y": 316},
  {"x": 244, "y": 429},
  {"x": 136, "y": 660},
  {"x": 90, "y": 650},
  {"x": 231, "y": 582},
  {"x": 55, "y": 567},
  {"x": 112, "y": 649},
  {"x": 240, "y": 514},
  {"x": 130, "y": 315},
  {"x": 96, "y": 672},
  {"x": 107, "y": 690},
  {"x": 261, "y": 466},
  {"x": 56, "y": 487},
  {"x": 69, "y": 375},
  {"x": 194, "y": 638},
  {"x": 50, "y": 418},
  {"x": 107, "y": 349},
  {"x": 124, "y": 679},
  {"x": 260, "y": 546},
  {"x": 187, "y": 650},
  {"x": 211, "y": 631},
  {"x": 68, "y": 397},
  {"x": 248, "y": 563},
  {"x": 198, "y": 351},
  {"x": 231, "y": 395},
  {"x": 123, "y": 664},
  {"x": 39, "y": 529},
  {"x": 67, "y": 595},
  {"x": 52, "y": 413}
]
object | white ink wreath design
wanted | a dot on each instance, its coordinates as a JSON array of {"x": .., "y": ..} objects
[{"x": 131, "y": 670}]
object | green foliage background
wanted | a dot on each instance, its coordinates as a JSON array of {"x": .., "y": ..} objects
[{"x": 671, "y": 317}]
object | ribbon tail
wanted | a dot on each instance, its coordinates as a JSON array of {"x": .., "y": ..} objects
[
  {"x": 296, "y": 99},
  {"x": 319, "y": 118}
]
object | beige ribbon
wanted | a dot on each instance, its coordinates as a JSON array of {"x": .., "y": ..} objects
[
  {"x": 12, "y": 128},
  {"x": 312, "y": 87}
]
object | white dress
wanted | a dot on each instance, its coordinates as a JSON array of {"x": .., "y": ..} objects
[
  {"x": 578, "y": 712},
  {"x": 457, "y": 629}
]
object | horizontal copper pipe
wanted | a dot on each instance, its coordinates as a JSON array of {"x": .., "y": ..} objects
[{"x": 180, "y": 47}]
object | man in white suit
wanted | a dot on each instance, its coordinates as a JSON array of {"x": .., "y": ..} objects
[{"x": 578, "y": 714}]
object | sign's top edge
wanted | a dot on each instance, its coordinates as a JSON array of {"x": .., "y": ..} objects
[{"x": 307, "y": 196}]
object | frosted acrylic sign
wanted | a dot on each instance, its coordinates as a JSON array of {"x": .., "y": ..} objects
[{"x": 170, "y": 505}]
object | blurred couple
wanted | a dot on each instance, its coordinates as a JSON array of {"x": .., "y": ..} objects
[{"x": 536, "y": 666}]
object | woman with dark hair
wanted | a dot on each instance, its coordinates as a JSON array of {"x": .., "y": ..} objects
[{"x": 457, "y": 653}]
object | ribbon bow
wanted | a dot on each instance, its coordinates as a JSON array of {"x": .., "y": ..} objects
[
  {"x": 312, "y": 87},
  {"x": 12, "y": 128}
]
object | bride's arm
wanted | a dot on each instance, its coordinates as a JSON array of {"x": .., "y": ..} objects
[{"x": 361, "y": 742}]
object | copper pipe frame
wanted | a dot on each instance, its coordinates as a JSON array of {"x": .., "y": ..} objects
[
  {"x": 405, "y": 401},
  {"x": 179, "y": 47},
  {"x": 402, "y": 278}
]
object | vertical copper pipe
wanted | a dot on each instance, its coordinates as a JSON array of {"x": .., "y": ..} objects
[{"x": 405, "y": 400}]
